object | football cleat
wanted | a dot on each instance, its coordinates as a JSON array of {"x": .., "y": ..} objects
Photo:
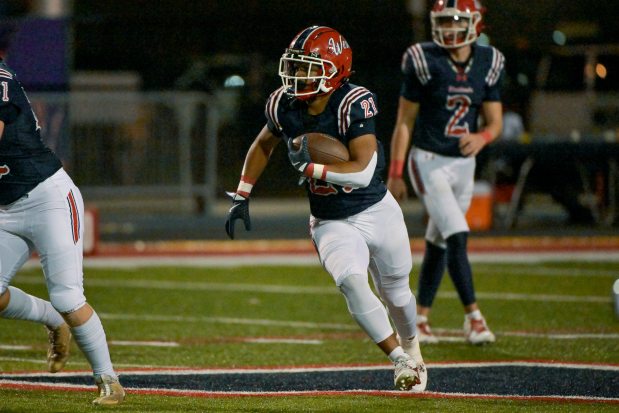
[
  {"x": 411, "y": 347},
  {"x": 110, "y": 391},
  {"x": 477, "y": 331},
  {"x": 424, "y": 332},
  {"x": 59, "y": 345},
  {"x": 406, "y": 374}
]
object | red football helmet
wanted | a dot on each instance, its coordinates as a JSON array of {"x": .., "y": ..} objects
[
  {"x": 456, "y": 23},
  {"x": 317, "y": 62}
]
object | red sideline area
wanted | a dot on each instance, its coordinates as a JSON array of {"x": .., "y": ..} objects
[{"x": 303, "y": 247}]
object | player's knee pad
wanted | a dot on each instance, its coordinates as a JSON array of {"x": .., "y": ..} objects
[
  {"x": 396, "y": 290},
  {"x": 365, "y": 307},
  {"x": 359, "y": 296},
  {"x": 66, "y": 300}
]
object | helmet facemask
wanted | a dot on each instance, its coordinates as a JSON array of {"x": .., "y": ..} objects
[
  {"x": 463, "y": 31},
  {"x": 305, "y": 76}
]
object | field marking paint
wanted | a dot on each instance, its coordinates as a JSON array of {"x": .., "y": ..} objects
[
  {"x": 24, "y": 360},
  {"x": 184, "y": 371},
  {"x": 558, "y": 298},
  {"x": 304, "y": 290},
  {"x": 548, "y": 271},
  {"x": 7, "y": 382},
  {"x": 455, "y": 335},
  {"x": 18, "y": 385},
  {"x": 75, "y": 363},
  {"x": 14, "y": 347},
  {"x": 229, "y": 320},
  {"x": 144, "y": 343},
  {"x": 335, "y": 326},
  {"x": 305, "y": 259},
  {"x": 281, "y": 341},
  {"x": 194, "y": 286},
  {"x": 555, "y": 336}
]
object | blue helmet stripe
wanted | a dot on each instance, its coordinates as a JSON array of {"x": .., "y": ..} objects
[
  {"x": 451, "y": 4},
  {"x": 299, "y": 42}
]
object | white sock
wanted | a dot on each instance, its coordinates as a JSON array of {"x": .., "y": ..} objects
[
  {"x": 24, "y": 306},
  {"x": 421, "y": 319},
  {"x": 397, "y": 353},
  {"x": 474, "y": 315},
  {"x": 90, "y": 338}
]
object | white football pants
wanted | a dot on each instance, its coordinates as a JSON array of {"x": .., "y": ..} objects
[
  {"x": 374, "y": 239},
  {"x": 445, "y": 186},
  {"x": 47, "y": 220}
]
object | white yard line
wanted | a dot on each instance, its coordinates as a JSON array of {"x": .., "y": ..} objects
[
  {"x": 14, "y": 347},
  {"x": 333, "y": 326},
  {"x": 456, "y": 335},
  {"x": 548, "y": 271},
  {"x": 24, "y": 360},
  {"x": 282, "y": 341},
  {"x": 180, "y": 371},
  {"x": 303, "y": 290},
  {"x": 311, "y": 259},
  {"x": 228, "y": 320},
  {"x": 128, "y": 343}
]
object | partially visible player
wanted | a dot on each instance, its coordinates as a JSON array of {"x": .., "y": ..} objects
[
  {"x": 355, "y": 223},
  {"x": 447, "y": 86},
  {"x": 42, "y": 210}
]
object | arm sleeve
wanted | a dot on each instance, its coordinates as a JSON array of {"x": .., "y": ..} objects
[
  {"x": 355, "y": 180},
  {"x": 357, "y": 118}
]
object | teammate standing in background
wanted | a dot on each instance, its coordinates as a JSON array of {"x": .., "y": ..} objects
[
  {"x": 447, "y": 85},
  {"x": 355, "y": 223},
  {"x": 42, "y": 210}
]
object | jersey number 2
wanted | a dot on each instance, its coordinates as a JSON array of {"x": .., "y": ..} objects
[{"x": 459, "y": 105}]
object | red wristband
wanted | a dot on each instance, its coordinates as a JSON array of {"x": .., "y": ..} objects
[
  {"x": 486, "y": 135},
  {"x": 395, "y": 168},
  {"x": 316, "y": 171},
  {"x": 245, "y": 186}
]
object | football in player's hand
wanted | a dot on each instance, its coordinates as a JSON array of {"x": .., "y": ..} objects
[{"x": 323, "y": 148}]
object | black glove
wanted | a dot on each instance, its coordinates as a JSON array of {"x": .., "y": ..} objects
[
  {"x": 300, "y": 158},
  {"x": 239, "y": 210}
]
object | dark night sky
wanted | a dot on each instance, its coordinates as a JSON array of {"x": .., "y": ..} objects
[{"x": 156, "y": 37}]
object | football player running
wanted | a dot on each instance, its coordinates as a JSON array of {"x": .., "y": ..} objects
[
  {"x": 446, "y": 86},
  {"x": 42, "y": 210},
  {"x": 355, "y": 224}
]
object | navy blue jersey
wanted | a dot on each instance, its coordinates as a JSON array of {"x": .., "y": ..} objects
[
  {"x": 349, "y": 114},
  {"x": 450, "y": 95},
  {"x": 24, "y": 160}
]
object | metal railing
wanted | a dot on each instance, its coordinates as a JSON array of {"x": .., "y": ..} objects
[{"x": 120, "y": 144}]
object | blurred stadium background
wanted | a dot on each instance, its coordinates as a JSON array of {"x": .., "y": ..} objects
[{"x": 152, "y": 105}]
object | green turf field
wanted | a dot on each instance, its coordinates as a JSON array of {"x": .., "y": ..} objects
[{"x": 551, "y": 312}]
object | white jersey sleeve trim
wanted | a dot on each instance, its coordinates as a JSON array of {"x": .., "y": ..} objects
[
  {"x": 415, "y": 52},
  {"x": 345, "y": 108},
  {"x": 4, "y": 73},
  {"x": 496, "y": 67},
  {"x": 273, "y": 106}
]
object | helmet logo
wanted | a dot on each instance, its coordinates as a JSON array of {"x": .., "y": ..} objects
[
  {"x": 4, "y": 170},
  {"x": 336, "y": 47}
]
